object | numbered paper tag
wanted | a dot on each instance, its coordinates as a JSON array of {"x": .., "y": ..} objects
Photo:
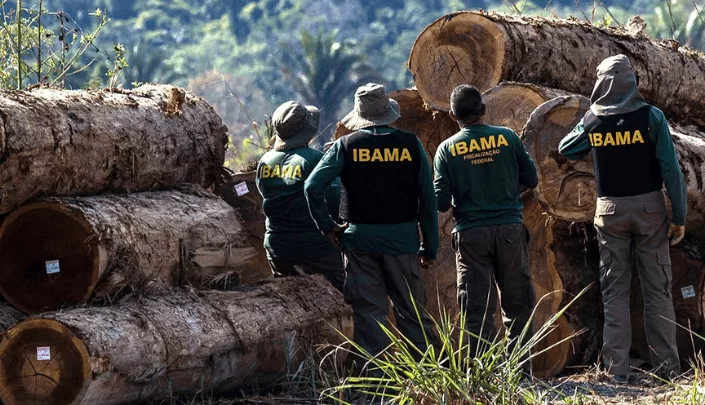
[
  {"x": 241, "y": 189},
  {"x": 52, "y": 266},
  {"x": 688, "y": 292},
  {"x": 43, "y": 353}
]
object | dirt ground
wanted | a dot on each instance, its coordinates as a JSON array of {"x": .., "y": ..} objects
[{"x": 586, "y": 388}]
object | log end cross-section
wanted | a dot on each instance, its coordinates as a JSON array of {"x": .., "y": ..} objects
[
  {"x": 566, "y": 188},
  {"x": 49, "y": 258},
  {"x": 457, "y": 48},
  {"x": 43, "y": 363}
]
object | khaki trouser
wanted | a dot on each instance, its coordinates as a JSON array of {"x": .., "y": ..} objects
[
  {"x": 371, "y": 278},
  {"x": 486, "y": 256},
  {"x": 639, "y": 225},
  {"x": 330, "y": 266}
]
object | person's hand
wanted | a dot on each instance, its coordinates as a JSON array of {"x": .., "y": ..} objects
[
  {"x": 676, "y": 233},
  {"x": 425, "y": 262},
  {"x": 336, "y": 233}
]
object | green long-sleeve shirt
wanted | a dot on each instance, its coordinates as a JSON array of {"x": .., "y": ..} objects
[
  {"x": 576, "y": 145},
  {"x": 291, "y": 233},
  {"x": 391, "y": 239},
  {"x": 479, "y": 172}
]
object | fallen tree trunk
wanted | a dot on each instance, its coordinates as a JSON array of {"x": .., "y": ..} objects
[
  {"x": 567, "y": 188},
  {"x": 177, "y": 344},
  {"x": 510, "y": 104},
  {"x": 62, "y": 142},
  {"x": 63, "y": 251},
  {"x": 563, "y": 258},
  {"x": 485, "y": 49},
  {"x": 8, "y": 316}
]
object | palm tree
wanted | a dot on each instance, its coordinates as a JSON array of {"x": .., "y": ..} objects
[{"x": 325, "y": 72}]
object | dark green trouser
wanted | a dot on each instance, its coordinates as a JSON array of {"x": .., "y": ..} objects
[
  {"x": 637, "y": 224},
  {"x": 371, "y": 278},
  {"x": 330, "y": 266},
  {"x": 485, "y": 256}
]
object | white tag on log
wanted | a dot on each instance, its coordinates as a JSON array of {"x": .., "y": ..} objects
[
  {"x": 688, "y": 292},
  {"x": 52, "y": 266},
  {"x": 43, "y": 353},
  {"x": 241, "y": 189}
]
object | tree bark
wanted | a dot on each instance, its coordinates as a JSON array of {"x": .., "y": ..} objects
[
  {"x": 65, "y": 250},
  {"x": 510, "y": 104},
  {"x": 567, "y": 188},
  {"x": 485, "y": 49},
  {"x": 8, "y": 316},
  {"x": 62, "y": 142},
  {"x": 178, "y": 344}
]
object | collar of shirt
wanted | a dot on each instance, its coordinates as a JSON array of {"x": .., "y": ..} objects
[{"x": 378, "y": 130}]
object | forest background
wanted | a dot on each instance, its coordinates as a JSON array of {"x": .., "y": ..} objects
[{"x": 247, "y": 57}]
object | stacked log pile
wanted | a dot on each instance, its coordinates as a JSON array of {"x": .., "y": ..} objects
[
  {"x": 535, "y": 73},
  {"x": 114, "y": 211}
]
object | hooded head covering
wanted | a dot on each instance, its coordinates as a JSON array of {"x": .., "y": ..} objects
[{"x": 615, "y": 91}]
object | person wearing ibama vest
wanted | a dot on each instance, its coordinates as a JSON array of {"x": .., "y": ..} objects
[
  {"x": 479, "y": 172},
  {"x": 633, "y": 155},
  {"x": 293, "y": 243},
  {"x": 386, "y": 193}
]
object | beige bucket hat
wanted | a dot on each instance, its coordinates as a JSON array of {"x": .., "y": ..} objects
[
  {"x": 372, "y": 107},
  {"x": 294, "y": 125}
]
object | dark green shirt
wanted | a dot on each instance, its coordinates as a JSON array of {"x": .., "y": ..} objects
[
  {"x": 291, "y": 233},
  {"x": 577, "y": 144},
  {"x": 390, "y": 239},
  {"x": 478, "y": 172}
]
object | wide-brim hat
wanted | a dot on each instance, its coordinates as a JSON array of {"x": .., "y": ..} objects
[
  {"x": 294, "y": 125},
  {"x": 372, "y": 107}
]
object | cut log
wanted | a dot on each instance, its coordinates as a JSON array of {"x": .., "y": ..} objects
[
  {"x": 510, "y": 104},
  {"x": 177, "y": 344},
  {"x": 431, "y": 126},
  {"x": 65, "y": 250},
  {"x": 567, "y": 188},
  {"x": 688, "y": 290},
  {"x": 485, "y": 49},
  {"x": 62, "y": 142},
  {"x": 563, "y": 262}
]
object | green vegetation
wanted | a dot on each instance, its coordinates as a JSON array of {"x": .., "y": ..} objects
[{"x": 267, "y": 51}]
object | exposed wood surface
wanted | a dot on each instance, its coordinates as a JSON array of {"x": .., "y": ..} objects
[
  {"x": 177, "y": 344},
  {"x": 485, "y": 49},
  {"x": 111, "y": 244}
]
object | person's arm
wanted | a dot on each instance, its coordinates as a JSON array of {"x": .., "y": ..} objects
[
  {"x": 333, "y": 199},
  {"x": 258, "y": 179},
  {"x": 327, "y": 170},
  {"x": 670, "y": 169},
  {"x": 576, "y": 144},
  {"x": 428, "y": 214},
  {"x": 441, "y": 180},
  {"x": 527, "y": 169}
]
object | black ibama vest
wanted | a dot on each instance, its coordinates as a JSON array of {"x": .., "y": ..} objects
[
  {"x": 623, "y": 154},
  {"x": 380, "y": 178}
]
